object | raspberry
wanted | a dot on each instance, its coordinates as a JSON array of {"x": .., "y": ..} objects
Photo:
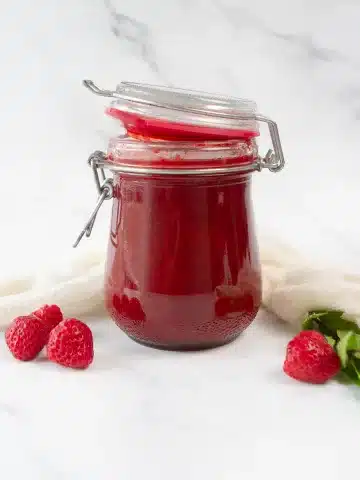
[
  {"x": 26, "y": 337},
  {"x": 50, "y": 315},
  {"x": 310, "y": 358},
  {"x": 71, "y": 344}
]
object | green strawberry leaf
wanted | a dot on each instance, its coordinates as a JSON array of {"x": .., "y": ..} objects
[
  {"x": 336, "y": 322},
  {"x": 351, "y": 373},
  {"x": 310, "y": 322},
  {"x": 322, "y": 311},
  {"x": 328, "y": 322},
  {"x": 356, "y": 364},
  {"x": 356, "y": 369},
  {"x": 325, "y": 330},
  {"x": 343, "y": 346},
  {"x": 344, "y": 378},
  {"x": 353, "y": 341},
  {"x": 330, "y": 340},
  {"x": 343, "y": 335}
]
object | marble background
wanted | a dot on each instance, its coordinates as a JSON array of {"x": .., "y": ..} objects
[
  {"x": 130, "y": 417},
  {"x": 301, "y": 65}
]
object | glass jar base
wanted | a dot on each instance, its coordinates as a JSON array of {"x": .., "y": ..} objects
[{"x": 185, "y": 347}]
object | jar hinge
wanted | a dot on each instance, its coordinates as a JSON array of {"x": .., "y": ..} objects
[
  {"x": 274, "y": 159},
  {"x": 104, "y": 188}
]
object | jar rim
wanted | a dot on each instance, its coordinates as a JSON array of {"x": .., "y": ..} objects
[
  {"x": 138, "y": 144},
  {"x": 127, "y": 153}
]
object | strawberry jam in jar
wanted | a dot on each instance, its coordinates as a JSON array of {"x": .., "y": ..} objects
[{"x": 182, "y": 269}]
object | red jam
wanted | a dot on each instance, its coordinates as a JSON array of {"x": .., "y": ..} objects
[
  {"x": 182, "y": 269},
  {"x": 138, "y": 126}
]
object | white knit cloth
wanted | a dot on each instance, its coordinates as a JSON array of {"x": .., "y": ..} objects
[{"x": 290, "y": 286}]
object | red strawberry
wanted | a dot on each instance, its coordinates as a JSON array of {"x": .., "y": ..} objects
[
  {"x": 71, "y": 344},
  {"x": 50, "y": 315},
  {"x": 310, "y": 358},
  {"x": 26, "y": 337}
]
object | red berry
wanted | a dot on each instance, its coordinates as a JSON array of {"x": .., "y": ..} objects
[
  {"x": 71, "y": 344},
  {"x": 310, "y": 358},
  {"x": 26, "y": 337},
  {"x": 50, "y": 315}
]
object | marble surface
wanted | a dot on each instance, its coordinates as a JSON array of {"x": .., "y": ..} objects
[{"x": 137, "y": 412}]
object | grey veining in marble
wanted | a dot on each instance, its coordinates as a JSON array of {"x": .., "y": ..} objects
[
  {"x": 137, "y": 34},
  {"x": 138, "y": 413}
]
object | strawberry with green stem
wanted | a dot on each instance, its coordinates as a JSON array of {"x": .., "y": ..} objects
[{"x": 342, "y": 335}]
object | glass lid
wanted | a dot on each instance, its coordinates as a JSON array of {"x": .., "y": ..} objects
[{"x": 143, "y": 108}]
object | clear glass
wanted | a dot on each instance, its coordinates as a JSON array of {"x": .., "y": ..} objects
[
  {"x": 173, "y": 114},
  {"x": 182, "y": 270}
]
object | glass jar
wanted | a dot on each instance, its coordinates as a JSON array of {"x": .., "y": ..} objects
[{"x": 182, "y": 269}]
